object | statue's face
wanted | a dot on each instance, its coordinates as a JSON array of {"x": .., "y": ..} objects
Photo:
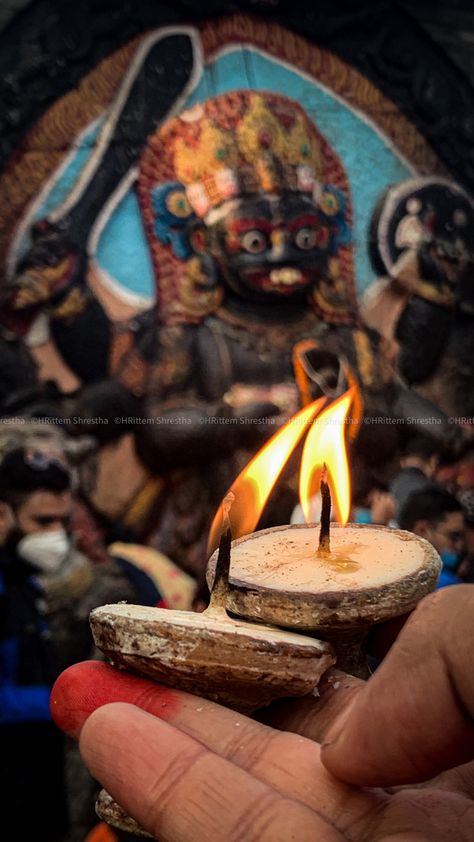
[
  {"x": 451, "y": 246},
  {"x": 269, "y": 246},
  {"x": 436, "y": 218}
]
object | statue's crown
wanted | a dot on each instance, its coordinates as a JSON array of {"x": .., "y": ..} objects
[{"x": 230, "y": 147}]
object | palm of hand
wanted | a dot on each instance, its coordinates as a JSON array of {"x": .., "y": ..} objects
[{"x": 195, "y": 770}]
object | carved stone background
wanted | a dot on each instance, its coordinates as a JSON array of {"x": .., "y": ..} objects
[
  {"x": 9, "y": 8},
  {"x": 450, "y": 25},
  {"x": 49, "y": 46}
]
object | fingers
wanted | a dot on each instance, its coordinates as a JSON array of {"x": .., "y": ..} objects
[
  {"x": 382, "y": 636},
  {"x": 178, "y": 790},
  {"x": 414, "y": 717},
  {"x": 83, "y": 688},
  {"x": 312, "y": 716},
  {"x": 459, "y": 780},
  {"x": 286, "y": 762}
]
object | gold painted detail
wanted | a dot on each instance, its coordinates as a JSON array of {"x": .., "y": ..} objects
[
  {"x": 238, "y": 143},
  {"x": 365, "y": 357},
  {"x": 406, "y": 273},
  {"x": 71, "y": 306},
  {"x": 193, "y": 295}
]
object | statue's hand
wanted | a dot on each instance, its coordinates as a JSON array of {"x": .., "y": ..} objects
[
  {"x": 50, "y": 268},
  {"x": 190, "y": 433},
  {"x": 283, "y": 397}
]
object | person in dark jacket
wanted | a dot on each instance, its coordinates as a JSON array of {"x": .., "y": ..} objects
[
  {"x": 418, "y": 467},
  {"x": 33, "y": 516},
  {"x": 45, "y": 567},
  {"x": 436, "y": 515}
]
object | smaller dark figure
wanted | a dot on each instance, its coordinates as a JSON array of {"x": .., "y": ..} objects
[
  {"x": 436, "y": 515},
  {"x": 417, "y": 470},
  {"x": 35, "y": 500},
  {"x": 422, "y": 245}
]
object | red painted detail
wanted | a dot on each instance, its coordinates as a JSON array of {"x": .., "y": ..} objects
[
  {"x": 308, "y": 220},
  {"x": 84, "y": 687},
  {"x": 240, "y": 226}
]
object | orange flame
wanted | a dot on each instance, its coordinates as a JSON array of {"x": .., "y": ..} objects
[
  {"x": 255, "y": 482},
  {"x": 326, "y": 444}
]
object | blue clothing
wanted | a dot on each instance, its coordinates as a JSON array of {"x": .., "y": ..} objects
[
  {"x": 26, "y": 659},
  {"x": 19, "y": 703},
  {"x": 447, "y": 577},
  {"x": 32, "y": 753}
]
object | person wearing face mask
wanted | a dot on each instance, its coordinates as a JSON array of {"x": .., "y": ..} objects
[
  {"x": 35, "y": 503},
  {"x": 49, "y": 589},
  {"x": 438, "y": 516},
  {"x": 45, "y": 566},
  {"x": 35, "y": 487}
]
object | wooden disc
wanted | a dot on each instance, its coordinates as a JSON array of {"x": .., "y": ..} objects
[
  {"x": 243, "y": 665},
  {"x": 371, "y": 574}
]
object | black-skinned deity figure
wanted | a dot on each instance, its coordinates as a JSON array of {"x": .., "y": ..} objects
[{"x": 247, "y": 213}]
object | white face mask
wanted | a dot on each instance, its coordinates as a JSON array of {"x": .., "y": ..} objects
[{"x": 46, "y": 550}]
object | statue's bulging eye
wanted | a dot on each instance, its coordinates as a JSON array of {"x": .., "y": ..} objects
[
  {"x": 306, "y": 238},
  {"x": 255, "y": 242},
  {"x": 329, "y": 204},
  {"x": 177, "y": 204}
]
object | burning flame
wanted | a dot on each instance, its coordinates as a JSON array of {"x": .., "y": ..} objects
[
  {"x": 255, "y": 482},
  {"x": 326, "y": 444}
]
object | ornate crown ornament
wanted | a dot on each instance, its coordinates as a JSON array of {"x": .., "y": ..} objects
[
  {"x": 236, "y": 144},
  {"x": 268, "y": 143}
]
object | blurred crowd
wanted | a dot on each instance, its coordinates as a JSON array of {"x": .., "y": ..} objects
[
  {"x": 430, "y": 496},
  {"x": 60, "y": 558}
]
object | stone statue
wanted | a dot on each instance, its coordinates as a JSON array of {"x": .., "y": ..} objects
[
  {"x": 422, "y": 244},
  {"x": 247, "y": 214}
]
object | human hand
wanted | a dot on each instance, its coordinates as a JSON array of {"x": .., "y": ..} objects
[{"x": 188, "y": 769}]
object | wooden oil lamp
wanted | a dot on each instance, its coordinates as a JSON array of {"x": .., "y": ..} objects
[{"x": 303, "y": 578}]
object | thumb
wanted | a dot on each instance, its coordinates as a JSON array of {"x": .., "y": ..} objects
[{"x": 415, "y": 716}]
